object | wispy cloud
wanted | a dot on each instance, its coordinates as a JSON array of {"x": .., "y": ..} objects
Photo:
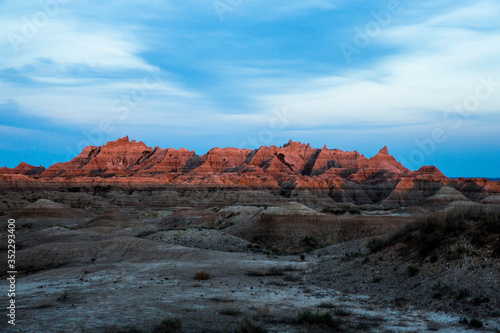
[
  {"x": 226, "y": 78},
  {"x": 438, "y": 66}
]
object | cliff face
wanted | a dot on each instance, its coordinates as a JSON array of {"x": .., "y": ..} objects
[{"x": 290, "y": 170}]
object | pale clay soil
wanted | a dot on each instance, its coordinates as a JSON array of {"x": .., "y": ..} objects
[{"x": 93, "y": 274}]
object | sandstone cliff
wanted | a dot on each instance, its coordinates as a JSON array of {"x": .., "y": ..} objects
[{"x": 293, "y": 170}]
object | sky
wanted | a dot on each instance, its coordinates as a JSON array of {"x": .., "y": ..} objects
[{"x": 420, "y": 77}]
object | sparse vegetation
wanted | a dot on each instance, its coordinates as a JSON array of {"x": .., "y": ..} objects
[
  {"x": 128, "y": 329},
  {"x": 342, "y": 312},
  {"x": 275, "y": 271},
  {"x": 256, "y": 272},
  {"x": 246, "y": 325},
  {"x": 375, "y": 245},
  {"x": 474, "y": 323},
  {"x": 291, "y": 278},
  {"x": 261, "y": 311},
  {"x": 354, "y": 210},
  {"x": 428, "y": 233},
  {"x": 271, "y": 271},
  {"x": 169, "y": 325},
  {"x": 342, "y": 210},
  {"x": 144, "y": 234},
  {"x": 308, "y": 243},
  {"x": 326, "y": 305},
  {"x": 230, "y": 310},
  {"x": 413, "y": 271},
  {"x": 202, "y": 275},
  {"x": 352, "y": 255},
  {"x": 318, "y": 318}
]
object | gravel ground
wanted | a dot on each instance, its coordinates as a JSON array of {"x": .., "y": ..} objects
[{"x": 203, "y": 239}]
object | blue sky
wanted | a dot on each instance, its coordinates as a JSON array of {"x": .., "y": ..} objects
[{"x": 421, "y": 77}]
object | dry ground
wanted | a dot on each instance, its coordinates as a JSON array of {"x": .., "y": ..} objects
[{"x": 118, "y": 269}]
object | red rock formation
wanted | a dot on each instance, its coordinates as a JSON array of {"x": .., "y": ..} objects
[
  {"x": 22, "y": 169},
  {"x": 430, "y": 173},
  {"x": 292, "y": 169}
]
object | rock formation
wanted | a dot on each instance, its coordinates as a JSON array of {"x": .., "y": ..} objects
[{"x": 293, "y": 170}]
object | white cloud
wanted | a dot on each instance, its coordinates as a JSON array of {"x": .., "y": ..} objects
[
  {"x": 60, "y": 62},
  {"x": 69, "y": 43},
  {"x": 438, "y": 64},
  {"x": 438, "y": 67}
]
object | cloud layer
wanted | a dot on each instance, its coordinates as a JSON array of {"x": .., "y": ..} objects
[{"x": 175, "y": 73}]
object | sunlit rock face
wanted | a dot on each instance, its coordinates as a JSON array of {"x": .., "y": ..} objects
[{"x": 292, "y": 170}]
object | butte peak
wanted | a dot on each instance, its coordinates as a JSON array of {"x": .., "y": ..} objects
[
  {"x": 383, "y": 151},
  {"x": 123, "y": 142}
]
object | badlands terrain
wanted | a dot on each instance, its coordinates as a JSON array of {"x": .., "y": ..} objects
[{"x": 129, "y": 238}]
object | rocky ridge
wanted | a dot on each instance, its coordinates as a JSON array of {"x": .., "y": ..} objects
[{"x": 293, "y": 170}]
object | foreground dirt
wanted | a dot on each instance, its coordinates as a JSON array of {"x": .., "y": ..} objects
[{"x": 116, "y": 269}]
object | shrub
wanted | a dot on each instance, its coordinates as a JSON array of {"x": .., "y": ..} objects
[
  {"x": 202, "y": 275},
  {"x": 275, "y": 271},
  {"x": 428, "y": 232},
  {"x": 412, "y": 271},
  {"x": 128, "y": 329},
  {"x": 375, "y": 245},
  {"x": 291, "y": 278},
  {"x": 230, "y": 311},
  {"x": 309, "y": 242},
  {"x": 256, "y": 272},
  {"x": 324, "y": 318},
  {"x": 351, "y": 255},
  {"x": 169, "y": 325},
  {"x": 475, "y": 323},
  {"x": 246, "y": 325},
  {"x": 342, "y": 312},
  {"x": 478, "y": 300},
  {"x": 326, "y": 305},
  {"x": 462, "y": 293},
  {"x": 496, "y": 248}
]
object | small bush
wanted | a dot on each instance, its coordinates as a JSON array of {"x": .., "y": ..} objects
[
  {"x": 351, "y": 255},
  {"x": 261, "y": 311},
  {"x": 275, "y": 271},
  {"x": 230, "y": 311},
  {"x": 256, "y": 272},
  {"x": 428, "y": 233},
  {"x": 128, "y": 329},
  {"x": 202, "y": 275},
  {"x": 326, "y": 305},
  {"x": 318, "y": 318},
  {"x": 475, "y": 323},
  {"x": 309, "y": 242},
  {"x": 291, "y": 278},
  {"x": 496, "y": 248},
  {"x": 375, "y": 245},
  {"x": 170, "y": 325},
  {"x": 413, "y": 271},
  {"x": 342, "y": 312},
  {"x": 462, "y": 293},
  {"x": 246, "y": 325},
  {"x": 478, "y": 300}
]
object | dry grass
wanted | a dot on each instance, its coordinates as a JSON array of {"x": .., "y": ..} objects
[
  {"x": 428, "y": 233},
  {"x": 230, "y": 310},
  {"x": 295, "y": 234},
  {"x": 202, "y": 275}
]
